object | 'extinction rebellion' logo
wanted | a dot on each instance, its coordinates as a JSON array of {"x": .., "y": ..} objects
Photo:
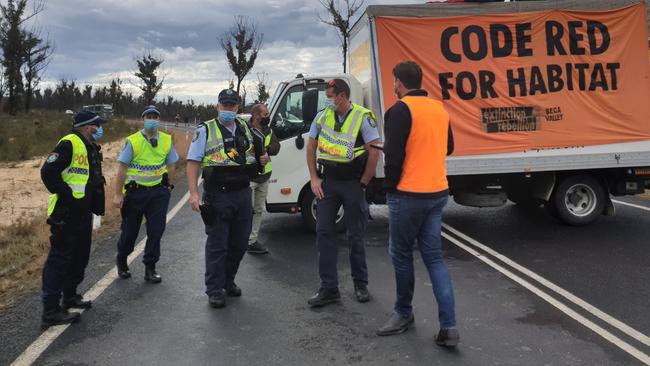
[{"x": 509, "y": 119}]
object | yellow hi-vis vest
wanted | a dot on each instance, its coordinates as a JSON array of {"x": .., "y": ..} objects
[
  {"x": 339, "y": 146},
  {"x": 215, "y": 153},
  {"x": 76, "y": 175},
  {"x": 267, "y": 142},
  {"x": 149, "y": 163}
]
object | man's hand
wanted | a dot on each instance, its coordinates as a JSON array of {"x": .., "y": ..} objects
[
  {"x": 118, "y": 200},
  {"x": 195, "y": 201},
  {"x": 264, "y": 159},
  {"x": 317, "y": 188}
]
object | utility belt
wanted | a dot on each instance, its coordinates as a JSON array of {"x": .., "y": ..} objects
[
  {"x": 341, "y": 171},
  {"x": 133, "y": 186},
  {"x": 228, "y": 178}
]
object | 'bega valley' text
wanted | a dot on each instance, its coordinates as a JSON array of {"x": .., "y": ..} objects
[{"x": 499, "y": 41}]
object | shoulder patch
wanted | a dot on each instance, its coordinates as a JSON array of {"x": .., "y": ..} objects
[
  {"x": 52, "y": 158},
  {"x": 197, "y": 133}
]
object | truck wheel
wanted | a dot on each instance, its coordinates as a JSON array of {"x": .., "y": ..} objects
[
  {"x": 308, "y": 212},
  {"x": 578, "y": 200},
  {"x": 524, "y": 201}
]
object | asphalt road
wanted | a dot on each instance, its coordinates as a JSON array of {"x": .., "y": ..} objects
[{"x": 501, "y": 321}]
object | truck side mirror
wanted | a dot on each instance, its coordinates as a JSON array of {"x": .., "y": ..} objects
[
  {"x": 300, "y": 142},
  {"x": 309, "y": 105}
]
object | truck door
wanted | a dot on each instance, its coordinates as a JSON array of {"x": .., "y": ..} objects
[{"x": 290, "y": 171}]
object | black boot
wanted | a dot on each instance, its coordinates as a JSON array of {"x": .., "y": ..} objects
[
  {"x": 150, "y": 274},
  {"x": 123, "y": 269},
  {"x": 55, "y": 315},
  {"x": 75, "y": 301},
  {"x": 324, "y": 296},
  {"x": 217, "y": 300},
  {"x": 233, "y": 290}
]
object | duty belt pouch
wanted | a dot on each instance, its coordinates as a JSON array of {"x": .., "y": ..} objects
[{"x": 207, "y": 214}]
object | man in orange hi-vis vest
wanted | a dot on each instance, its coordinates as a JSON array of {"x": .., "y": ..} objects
[{"x": 418, "y": 138}]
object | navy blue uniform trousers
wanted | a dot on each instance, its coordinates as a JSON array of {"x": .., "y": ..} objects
[
  {"x": 227, "y": 236},
  {"x": 66, "y": 263},
  {"x": 349, "y": 194},
  {"x": 151, "y": 204}
]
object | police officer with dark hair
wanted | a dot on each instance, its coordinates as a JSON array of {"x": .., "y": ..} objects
[
  {"x": 341, "y": 135},
  {"x": 73, "y": 174},
  {"x": 147, "y": 166},
  {"x": 223, "y": 148}
]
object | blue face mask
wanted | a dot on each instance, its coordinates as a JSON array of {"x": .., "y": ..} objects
[
  {"x": 151, "y": 124},
  {"x": 227, "y": 117},
  {"x": 98, "y": 134}
]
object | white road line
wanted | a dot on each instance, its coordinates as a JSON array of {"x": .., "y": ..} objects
[
  {"x": 632, "y": 205},
  {"x": 559, "y": 290},
  {"x": 559, "y": 305},
  {"x": 34, "y": 351}
]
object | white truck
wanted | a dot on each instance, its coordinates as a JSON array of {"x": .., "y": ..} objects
[{"x": 573, "y": 181}]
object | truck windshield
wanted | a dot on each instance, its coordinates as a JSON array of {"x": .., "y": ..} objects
[{"x": 276, "y": 94}]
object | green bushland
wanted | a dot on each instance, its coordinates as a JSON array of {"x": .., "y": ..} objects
[{"x": 36, "y": 133}]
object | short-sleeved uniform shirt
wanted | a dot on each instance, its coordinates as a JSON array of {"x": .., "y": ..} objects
[
  {"x": 368, "y": 130},
  {"x": 126, "y": 155}
]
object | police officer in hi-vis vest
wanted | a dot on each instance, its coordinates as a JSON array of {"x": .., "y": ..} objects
[
  {"x": 142, "y": 188},
  {"x": 342, "y": 134},
  {"x": 223, "y": 149},
  {"x": 73, "y": 174}
]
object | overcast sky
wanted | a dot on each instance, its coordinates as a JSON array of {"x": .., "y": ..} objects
[{"x": 99, "y": 39}]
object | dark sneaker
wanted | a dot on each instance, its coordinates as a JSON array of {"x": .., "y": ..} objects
[
  {"x": 233, "y": 290},
  {"x": 58, "y": 316},
  {"x": 151, "y": 276},
  {"x": 76, "y": 302},
  {"x": 361, "y": 293},
  {"x": 257, "y": 248},
  {"x": 217, "y": 300},
  {"x": 396, "y": 324},
  {"x": 448, "y": 337},
  {"x": 123, "y": 269},
  {"x": 324, "y": 296}
]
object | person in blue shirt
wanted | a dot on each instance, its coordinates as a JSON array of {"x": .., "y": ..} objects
[
  {"x": 224, "y": 152},
  {"x": 142, "y": 189},
  {"x": 341, "y": 164}
]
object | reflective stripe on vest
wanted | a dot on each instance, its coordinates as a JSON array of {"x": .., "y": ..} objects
[
  {"x": 424, "y": 169},
  {"x": 339, "y": 146},
  {"x": 267, "y": 142},
  {"x": 149, "y": 163},
  {"x": 215, "y": 153},
  {"x": 76, "y": 175}
]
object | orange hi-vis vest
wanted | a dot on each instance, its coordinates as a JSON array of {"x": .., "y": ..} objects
[{"x": 424, "y": 169}]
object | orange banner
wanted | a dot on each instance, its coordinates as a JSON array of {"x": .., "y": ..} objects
[{"x": 540, "y": 80}]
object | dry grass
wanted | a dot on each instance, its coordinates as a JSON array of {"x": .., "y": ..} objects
[{"x": 36, "y": 133}]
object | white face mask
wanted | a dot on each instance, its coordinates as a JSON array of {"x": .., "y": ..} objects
[{"x": 330, "y": 103}]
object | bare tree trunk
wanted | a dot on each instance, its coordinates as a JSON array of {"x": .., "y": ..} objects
[{"x": 345, "y": 53}]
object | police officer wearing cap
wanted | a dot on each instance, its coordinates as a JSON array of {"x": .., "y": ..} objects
[
  {"x": 341, "y": 135},
  {"x": 73, "y": 174},
  {"x": 223, "y": 149},
  {"x": 143, "y": 188}
]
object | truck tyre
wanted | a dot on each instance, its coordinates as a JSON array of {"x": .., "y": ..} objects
[
  {"x": 308, "y": 212},
  {"x": 524, "y": 201},
  {"x": 578, "y": 200}
]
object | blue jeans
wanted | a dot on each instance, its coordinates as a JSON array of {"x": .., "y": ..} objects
[{"x": 413, "y": 218}]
